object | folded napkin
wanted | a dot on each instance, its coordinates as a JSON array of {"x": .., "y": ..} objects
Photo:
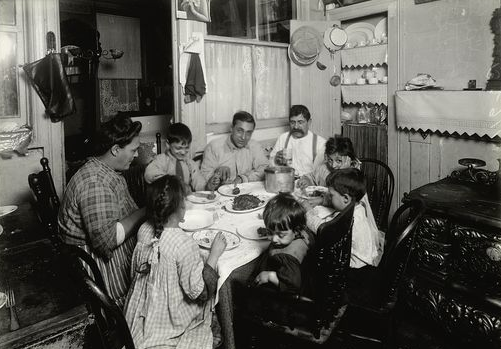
[{"x": 422, "y": 82}]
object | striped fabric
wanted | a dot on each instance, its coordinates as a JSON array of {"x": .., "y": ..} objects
[{"x": 116, "y": 270}]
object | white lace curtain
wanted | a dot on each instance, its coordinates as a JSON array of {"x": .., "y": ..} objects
[{"x": 246, "y": 77}]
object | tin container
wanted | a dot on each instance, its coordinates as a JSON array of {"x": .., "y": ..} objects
[{"x": 279, "y": 179}]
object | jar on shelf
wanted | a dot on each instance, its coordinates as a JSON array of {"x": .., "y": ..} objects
[
  {"x": 362, "y": 114},
  {"x": 374, "y": 114},
  {"x": 383, "y": 115}
]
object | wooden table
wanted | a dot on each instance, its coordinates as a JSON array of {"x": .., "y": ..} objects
[{"x": 46, "y": 301}]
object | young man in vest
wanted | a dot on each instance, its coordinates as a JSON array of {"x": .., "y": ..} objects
[{"x": 302, "y": 144}]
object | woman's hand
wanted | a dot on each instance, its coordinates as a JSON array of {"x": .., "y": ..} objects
[{"x": 266, "y": 277}]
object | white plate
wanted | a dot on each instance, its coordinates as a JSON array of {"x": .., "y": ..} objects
[
  {"x": 205, "y": 237},
  {"x": 201, "y": 200},
  {"x": 3, "y": 299},
  {"x": 1, "y": 230},
  {"x": 308, "y": 192},
  {"x": 196, "y": 219},
  {"x": 360, "y": 31},
  {"x": 229, "y": 206},
  {"x": 361, "y": 26},
  {"x": 227, "y": 189},
  {"x": 7, "y": 209},
  {"x": 249, "y": 231},
  {"x": 381, "y": 28}
]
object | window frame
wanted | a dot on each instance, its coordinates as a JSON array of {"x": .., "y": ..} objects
[
  {"x": 224, "y": 127},
  {"x": 22, "y": 84}
]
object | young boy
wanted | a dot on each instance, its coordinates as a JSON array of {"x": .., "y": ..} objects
[
  {"x": 175, "y": 160},
  {"x": 345, "y": 186}
]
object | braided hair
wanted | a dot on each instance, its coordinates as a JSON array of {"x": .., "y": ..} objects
[{"x": 164, "y": 197}]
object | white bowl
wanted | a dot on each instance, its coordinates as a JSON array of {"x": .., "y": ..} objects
[{"x": 196, "y": 219}]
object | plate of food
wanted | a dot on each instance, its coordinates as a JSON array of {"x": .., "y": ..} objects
[
  {"x": 254, "y": 230},
  {"x": 7, "y": 209},
  {"x": 232, "y": 190},
  {"x": 205, "y": 237},
  {"x": 196, "y": 219},
  {"x": 202, "y": 197},
  {"x": 312, "y": 191},
  {"x": 245, "y": 203}
]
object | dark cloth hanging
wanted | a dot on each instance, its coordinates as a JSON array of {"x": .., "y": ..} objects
[
  {"x": 194, "y": 88},
  {"x": 51, "y": 83}
]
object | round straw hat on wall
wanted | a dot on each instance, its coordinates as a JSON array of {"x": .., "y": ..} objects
[{"x": 305, "y": 46}]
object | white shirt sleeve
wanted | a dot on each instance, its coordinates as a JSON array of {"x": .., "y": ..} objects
[{"x": 120, "y": 233}]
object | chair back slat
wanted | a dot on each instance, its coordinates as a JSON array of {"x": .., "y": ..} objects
[
  {"x": 380, "y": 184},
  {"x": 399, "y": 245},
  {"x": 111, "y": 324},
  {"x": 333, "y": 247},
  {"x": 46, "y": 199}
]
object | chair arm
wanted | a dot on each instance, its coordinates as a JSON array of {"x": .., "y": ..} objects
[{"x": 475, "y": 295}]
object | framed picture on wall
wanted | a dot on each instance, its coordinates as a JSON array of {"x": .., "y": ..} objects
[{"x": 195, "y": 10}]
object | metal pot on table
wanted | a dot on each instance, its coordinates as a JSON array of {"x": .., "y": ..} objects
[{"x": 279, "y": 179}]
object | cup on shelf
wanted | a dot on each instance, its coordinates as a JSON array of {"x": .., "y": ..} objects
[
  {"x": 374, "y": 41},
  {"x": 360, "y": 81},
  {"x": 373, "y": 81},
  {"x": 347, "y": 81},
  {"x": 362, "y": 43},
  {"x": 384, "y": 79},
  {"x": 349, "y": 45}
]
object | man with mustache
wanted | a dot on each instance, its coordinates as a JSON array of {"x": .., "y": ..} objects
[
  {"x": 235, "y": 158},
  {"x": 300, "y": 143}
]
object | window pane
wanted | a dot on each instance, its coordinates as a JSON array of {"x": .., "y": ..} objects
[
  {"x": 273, "y": 16},
  {"x": 232, "y": 18},
  {"x": 272, "y": 82},
  {"x": 8, "y": 12},
  {"x": 8, "y": 74},
  {"x": 229, "y": 80}
]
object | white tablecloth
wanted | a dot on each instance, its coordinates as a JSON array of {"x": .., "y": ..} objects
[{"x": 248, "y": 249}]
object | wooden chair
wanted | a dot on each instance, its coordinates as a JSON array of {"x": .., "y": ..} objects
[
  {"x": 373, "y": 291},
  {"x": 111, "y": 325},
  {"x": 271, "y": 317},
  {"x": 380, "y": 186},
  {"x": 46, "y": 200}
]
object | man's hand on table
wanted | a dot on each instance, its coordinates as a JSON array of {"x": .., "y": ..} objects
[
  {"x": 280, "y": 159},
  {"x": 224, "y": 172},
  {"x": 266, "y": 277}
]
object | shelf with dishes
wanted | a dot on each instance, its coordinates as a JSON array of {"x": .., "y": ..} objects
[{"x": 348, "y": 47}]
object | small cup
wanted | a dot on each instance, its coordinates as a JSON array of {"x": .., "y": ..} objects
[
  {"x": 347, "y": 81},
  {"x": 373, "y": 41},
  {"x": 362, "y": 43},
  {"x": 373, "y": 81},
  {"x": 385, "y": 80},
  {"x": 348, "y": 45},
  {"x": 360, "y": 81}
]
